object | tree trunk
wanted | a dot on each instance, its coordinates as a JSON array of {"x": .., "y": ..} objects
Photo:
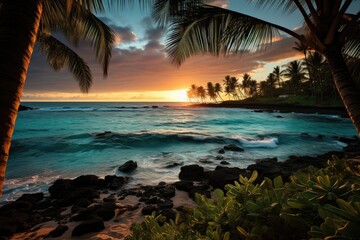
[
  {"x": 19, "y": 24},
  {"x": 345, "y": 85}
]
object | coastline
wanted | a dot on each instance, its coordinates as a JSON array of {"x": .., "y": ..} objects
[
  {"x": 276, "y": 107},
  {"x": 93, "y": 208}
]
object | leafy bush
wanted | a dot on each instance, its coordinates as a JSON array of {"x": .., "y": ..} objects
[{"x": 315, "y": 203}]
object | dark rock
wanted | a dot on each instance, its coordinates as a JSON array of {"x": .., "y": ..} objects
[
  {"x": 278, "y": 116},
  {"x": 191, "y": 172},
  {"x": 219, "y": 158},
  {"x": 104, "y": 211},
  {"x": 81, "y": 192},
  {"x": 202, "y": 189},
  {"x": 147, "y": 210},
  {"x": 162, "y": 184},
  {"x": 24, "y": 108},
  {"x": 224, "y": 175},
  {"x": 184, "y": 185},
  {"x": 305, "y": 134},
  {"x": 32, "y": 198},
  {"x": 115, "y": 182},
  {"x": 205, "y": 160},
  {"x": 169, "y": 214},
  {"x": 258, "y": 111},
  {"x": 94, "y": 224},
  {"x": 43, "y": 204},
  {"x": 233, "y": 147},
  {"x": 171, "y": 165},
  {"x": 164, "y": 204},
  {"x": 85, "y": 181},
  {"x": 221, "y": 151},
  {"x": 152, "y": 200},
  {"x": 129, "y": 166},
  {"x": 58, "y": 231},
  {"x": 154, "y": 106},
  {"x": 346, "y": 140},
  {"x": 266, "y": 160},
  {"x": 167, "y": 192},
  {"x": 224, "y": 163},
  {"x": 109, "y": 199},
  {"x": 61, "y": 187}
]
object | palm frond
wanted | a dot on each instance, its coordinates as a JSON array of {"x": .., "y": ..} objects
[
  {"x": 205, "y": 28},
  {"x": 60, "y": 56},
  {"x": 286, "y": 5}
]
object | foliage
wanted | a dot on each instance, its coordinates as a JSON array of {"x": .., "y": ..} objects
[{"x": 315, "y": 203}]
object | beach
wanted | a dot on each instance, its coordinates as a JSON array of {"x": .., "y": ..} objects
[{"x": 178, "y": 150}]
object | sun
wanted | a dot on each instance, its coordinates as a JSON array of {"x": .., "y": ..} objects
[{"x": 180, "y": 95}]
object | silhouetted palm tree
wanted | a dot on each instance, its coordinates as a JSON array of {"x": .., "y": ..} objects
[
  {"x": 201, "y": 92},
  {"x": 246, "y": 82},
  {"x": 271, "y": 80},
  {"x": 197, "y": 27},
  {"x": 211, "y": 91},
  {"x": 21, "y": 24},
  {"x": 218, "y": 90},
  {"x": 296, "y": 75},
  {"x": 278, "y": 75}
]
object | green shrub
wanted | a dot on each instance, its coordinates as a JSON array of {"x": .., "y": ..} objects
[{"x": 315, "y": 203}]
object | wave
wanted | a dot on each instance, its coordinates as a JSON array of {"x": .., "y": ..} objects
[{"x": 259, "y": 143}]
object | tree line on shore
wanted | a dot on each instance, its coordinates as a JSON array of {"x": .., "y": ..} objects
[{"x": 310, "y": 76}]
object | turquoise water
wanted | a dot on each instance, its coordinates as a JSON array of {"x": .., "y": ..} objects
[{"x": 61, "y": 140}]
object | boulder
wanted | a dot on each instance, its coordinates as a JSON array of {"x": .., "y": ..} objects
[
  {"x": 224, "y": 163},
  {"x": 233, "y": 147},
  {"x": 184, "y": 185},
  {"x": 224, "y": 175},
  {"x": 115, "y": 182},
  {"x": 95, "y": 224},
  {"x": 58, "y": 231},
  {"x": 192, "y": 172},
  {"x": 221, "y": 151},
  {"x": 129, "y": 166},
  {"x": 148, "y": 209}
]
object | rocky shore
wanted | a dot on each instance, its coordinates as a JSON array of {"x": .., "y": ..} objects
[{"x": 88, "y": 205}]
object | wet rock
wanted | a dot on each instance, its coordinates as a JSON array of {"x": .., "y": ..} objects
[
  {"x": 24, "y": 108},
  {"x": 169, "y": 214},
  {"x": 205, "y": 160},
  {"x": 233, "y": 147},
  {"x": 191, "y": 172},
  {"x": 85, "y": 181},
  {"x": 202, "y": 189},
  {"x": 105, "y": 211},
  {"x": 154, "y": 106},
  {"x": 219, "y": 158},
  {"x": 102, "y": 134},
  {"x": 224, "y": 175},
  {"x": 94, "y": 224},
  {"x": 147, "y": 210},
  {"x": 58, "y": 231},
  {"x": 115, "y": 182},
  {"x": 82, "y": 192},
  {"x": 279, "y": 116},
  {"x": 266, "y": 160},
  {"x": 129, "y": 166},
  {"x": 167, "y": 191},
  {"x": 221, "y": 151},
  {"x": 184, "y": 185},
  {"x": 171, "y": 165},
  {"x": 224, "y": 163}
]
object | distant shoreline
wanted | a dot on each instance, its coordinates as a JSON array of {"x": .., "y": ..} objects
[{"x": 276, "y": 107}]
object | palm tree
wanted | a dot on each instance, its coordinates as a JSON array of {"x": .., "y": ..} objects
[
  {"x": 271, "y": 80},
  {"x": 253, "y": 88},
  {"x": 211, "y": 91},
  {"x": 34, "y": 20},
  {"x": 246, "y": 84},
  {"x": 197, "y": 27},
  {"x": 218, "y": 90},
  {"x": 201, "y": 92},
  {"x": 278, "y": 75},
  {"x": 296, "y": 75}
]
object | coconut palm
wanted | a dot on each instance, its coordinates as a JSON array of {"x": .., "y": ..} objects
[
  {"x": 197, "y": 27},
  {"x": 201, "y": 92},
  {"x": 218, "y": 90},
  {"x": 211, "y": 91},
  {"x": 271, "y": 80},
  {"x": 296, "y": 75},
  {"x": 278, "y": 75},
  {"x": 26, "y": 22},
  {"x": 246, "y": 82}
]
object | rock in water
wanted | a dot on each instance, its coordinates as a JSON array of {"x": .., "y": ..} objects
[
  {"x": 233, "y": 147},
  {"x": 129, "y": 166}
]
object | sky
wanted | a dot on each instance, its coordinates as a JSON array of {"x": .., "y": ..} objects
[{"x": 140, "y": 70}]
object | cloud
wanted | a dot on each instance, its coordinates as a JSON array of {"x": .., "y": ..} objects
[
  {"x": 219, "y": 3},
  {"x": 138, "y": 69},
  {"x": 123, "y": 34}
]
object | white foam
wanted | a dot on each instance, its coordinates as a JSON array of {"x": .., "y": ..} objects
[{"x": 259, "y": 143}]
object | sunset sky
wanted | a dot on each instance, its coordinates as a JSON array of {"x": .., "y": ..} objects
[{"x": 140, "y": 71}]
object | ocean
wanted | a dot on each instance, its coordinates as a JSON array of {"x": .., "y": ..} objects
[{"x": 65, "y": 140}]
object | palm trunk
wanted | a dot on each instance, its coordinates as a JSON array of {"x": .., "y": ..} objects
[
  {"x": 345, "y": 85},
  {"x": 17, "y": 44}
]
